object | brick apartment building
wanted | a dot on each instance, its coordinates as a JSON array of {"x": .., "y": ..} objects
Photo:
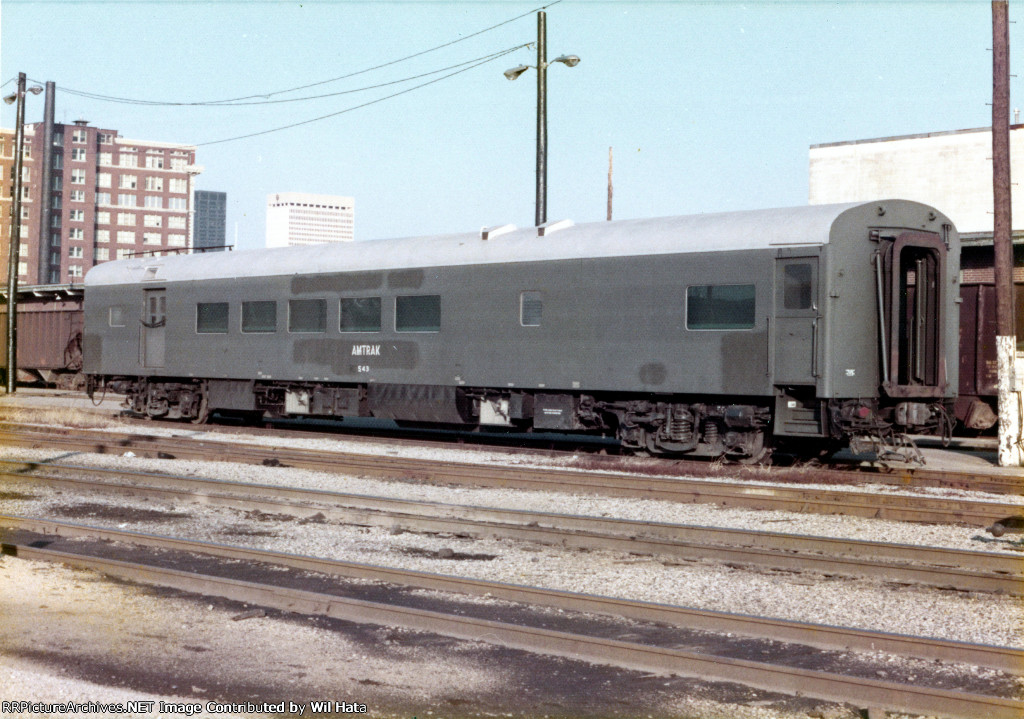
[{"x": 109, "y": 198}]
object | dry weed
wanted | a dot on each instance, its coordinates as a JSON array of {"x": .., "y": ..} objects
[{"x": 62, "y": 417}]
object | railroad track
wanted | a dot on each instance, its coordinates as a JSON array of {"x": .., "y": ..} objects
[
  {"x": 905, "y": 564},
  {"x": 898, "y": 507},
  {"x": 574, "y": 644},
  {"x": 836, "y": 473}
]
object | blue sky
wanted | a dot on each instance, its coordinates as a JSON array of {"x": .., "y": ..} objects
[{"x": 709, "y": 106}]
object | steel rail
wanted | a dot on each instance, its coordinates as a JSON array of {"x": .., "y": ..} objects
[
  {"x": 950, "y": 568},
  {"x": 981, "y": 479},
  {"x": 821, "y": 636},
  {"x": 898, "y": 507},
  {"x": 821, "y": 685}
]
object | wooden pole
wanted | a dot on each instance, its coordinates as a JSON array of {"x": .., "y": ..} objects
[
  {"x": 609, "y": 184},
  {"x": 1010, "y": 435}
]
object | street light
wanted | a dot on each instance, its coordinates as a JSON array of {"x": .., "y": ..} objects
[
  {"x": 12, "y": 267},
  {"x": 542, "y": 110}
]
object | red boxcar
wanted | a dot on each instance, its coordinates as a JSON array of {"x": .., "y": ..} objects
[
  {"x": 49, "y": 334},
  {"x": 976, "y": 404}
]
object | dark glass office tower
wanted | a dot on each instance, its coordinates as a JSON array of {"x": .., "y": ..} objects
[{"x": 211, "y": 208}]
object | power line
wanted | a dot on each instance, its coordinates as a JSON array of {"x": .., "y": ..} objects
[
  {"x": 403, "y": 59},
  {"x": 357, "y": 107},
  {"x": 104, "y": 98},
  {"x": 265, "y": 96}
]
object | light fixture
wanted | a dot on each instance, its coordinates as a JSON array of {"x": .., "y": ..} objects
[
  {"x": 541, "y": 67},
  {"x": 35, "y": 90},
  {"x": 510, "y": 74}
]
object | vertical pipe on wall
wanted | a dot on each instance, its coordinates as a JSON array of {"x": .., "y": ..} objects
[{"x": 44, "y": 245}]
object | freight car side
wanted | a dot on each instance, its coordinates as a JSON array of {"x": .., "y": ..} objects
[
  {"x": 979, "y": 380},
  {"x": 50, "y": 331}
]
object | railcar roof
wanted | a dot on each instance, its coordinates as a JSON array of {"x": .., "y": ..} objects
[{"x": 754, "y": 229}]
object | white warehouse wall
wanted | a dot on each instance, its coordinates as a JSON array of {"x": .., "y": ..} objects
[{"x": 951, "y": 171}]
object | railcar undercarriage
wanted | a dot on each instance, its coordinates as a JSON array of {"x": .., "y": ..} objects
[
  {"x": 698, "y": 429},
  {"x": 675, "y": 426},
  {"x": 885, "y": 431}
]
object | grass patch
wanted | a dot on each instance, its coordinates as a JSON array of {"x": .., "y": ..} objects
[{"x": 59, "y": 417}]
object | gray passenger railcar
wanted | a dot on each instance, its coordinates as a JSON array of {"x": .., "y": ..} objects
[{"x": 707, "y": 334}]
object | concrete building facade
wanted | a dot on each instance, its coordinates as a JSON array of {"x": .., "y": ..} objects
[
  {"x": 951, "y": 171},
  {"x": 297, "y": 218},
  {"x": 948, "y": 170},
  {"x": 109, "y": 198}
]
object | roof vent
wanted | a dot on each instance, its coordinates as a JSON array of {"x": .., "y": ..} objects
[
  {"x": 81, "y": 123},
  {"x": 489, "y": 233},
  {"x": 549, "y": 227},
  {"x": 150, "y": 274}
]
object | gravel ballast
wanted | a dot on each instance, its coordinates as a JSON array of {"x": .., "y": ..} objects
[{"x": 968, "y": 617}]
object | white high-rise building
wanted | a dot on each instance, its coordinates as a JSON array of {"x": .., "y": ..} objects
[{"x": 298, "y": 218}]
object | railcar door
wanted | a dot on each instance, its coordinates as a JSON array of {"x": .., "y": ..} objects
[
  {"x": 154, "y": 318},
  {"x": 796, "y": 320},
  {"x": 911, "y": 294}
]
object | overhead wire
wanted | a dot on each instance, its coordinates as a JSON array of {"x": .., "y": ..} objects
[
  {"x": 365, "y": 104},
  {"x": 266, "y": 96},
  {"x": 482, "y": 58}
]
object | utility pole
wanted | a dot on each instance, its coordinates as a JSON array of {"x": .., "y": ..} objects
[
  {"x": 609, "y": 184},
  {"x": 1011, "y": 441},
  {"x": 12, "y": 265},
  {"x": 542, "y": 119},
  {"x": 542, "y": 111}
]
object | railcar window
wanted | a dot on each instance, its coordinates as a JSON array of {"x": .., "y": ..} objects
[
  {"x": 418, "y": 313},
  {"x": 307, "y": 315},
  {"x": 117, "y": 317},
  {"x": 212, "y": 318},
  {"x": 796, "y": 288},
  {"x": 720, "y": 307},
  {"x": 360, "y": 314},
  {"x": 260, "y": 316},
  {"x": 531, "y": 308}
]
